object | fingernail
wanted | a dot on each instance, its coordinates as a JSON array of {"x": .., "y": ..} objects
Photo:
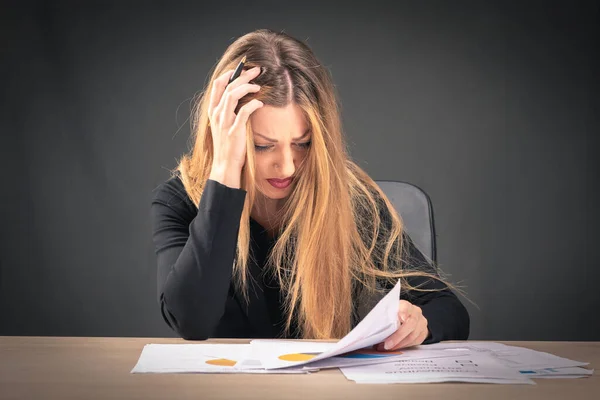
[{"x": 387, "y": 345}]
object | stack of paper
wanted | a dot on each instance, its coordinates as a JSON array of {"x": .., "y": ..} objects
[
  {"x": 481, "y": 362},
  {"x": 468, "y": 368},
  {"x": 485, "y": 362}
]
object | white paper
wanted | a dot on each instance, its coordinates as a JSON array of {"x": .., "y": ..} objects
[
  {"x": 470, "y": 368},
  {"x": 200, "y": 358},
  {"x": 379, "y": 323},
  {"x": 369, "y": 356},
  {"x": 511, "y": 356}
]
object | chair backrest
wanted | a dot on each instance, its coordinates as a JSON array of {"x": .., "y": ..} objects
[{"x": 416, "y": 210}]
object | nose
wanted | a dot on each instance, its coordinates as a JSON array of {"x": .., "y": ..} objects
[{"x": 285, "y": 164}]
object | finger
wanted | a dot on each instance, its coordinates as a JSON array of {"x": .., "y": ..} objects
[
  {"x": 380, "y": 346},
  {"x": 405, "y": 310},
  {"x": 221, "y": 87},
  {"x": 245, "y": 77},
  {"x": 419, "y": 335},
  {"x": 410, "y": 340},
  {"x": 231, "y": 100},
  {"x": 406, "y": 329},
  {"x": 242, "y": 117},
  {"x": 218, "y": 88}
]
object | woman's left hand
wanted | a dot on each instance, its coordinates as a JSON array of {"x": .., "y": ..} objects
[{"x": 412, "y": 330}]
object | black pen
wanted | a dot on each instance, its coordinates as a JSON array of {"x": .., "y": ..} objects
[{"x": 238, "y": 70}]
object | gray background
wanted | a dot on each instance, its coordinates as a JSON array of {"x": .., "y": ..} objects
[{"x": 491, "y": 108}]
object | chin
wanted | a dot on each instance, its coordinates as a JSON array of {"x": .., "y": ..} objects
[{"x": 276, "y": 194}]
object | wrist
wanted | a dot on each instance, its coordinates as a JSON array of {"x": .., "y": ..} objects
[{"x": 227, "y": 176}]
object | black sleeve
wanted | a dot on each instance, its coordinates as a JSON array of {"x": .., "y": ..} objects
[
  {"x": 195, "y": 259},
  {"x": 447, "y": 317}
]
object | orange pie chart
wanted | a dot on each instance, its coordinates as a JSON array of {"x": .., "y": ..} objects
[
  {"x": 222, "y": 362},
  {"x": 298, "y": 356}
]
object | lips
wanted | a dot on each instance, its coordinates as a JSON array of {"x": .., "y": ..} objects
[{"x": 280, "y": 183}]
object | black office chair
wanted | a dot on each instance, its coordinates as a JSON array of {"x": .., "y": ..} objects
[{"x": 416, "y": 210}]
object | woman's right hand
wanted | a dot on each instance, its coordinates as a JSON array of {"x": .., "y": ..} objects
[{"x": 228, "y": 129}]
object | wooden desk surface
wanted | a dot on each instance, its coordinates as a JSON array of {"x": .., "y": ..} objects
[{"x": 99, "y": 368}]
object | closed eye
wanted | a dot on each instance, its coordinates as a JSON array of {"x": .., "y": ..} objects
[
  {"x": 262, "y": 148},
  {"x": 304, "y": 145}
]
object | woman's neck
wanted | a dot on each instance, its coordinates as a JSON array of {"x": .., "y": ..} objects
[{"x": 265, "y": 212}]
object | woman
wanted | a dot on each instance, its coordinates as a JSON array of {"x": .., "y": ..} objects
[{"x": 268, "y": 229}]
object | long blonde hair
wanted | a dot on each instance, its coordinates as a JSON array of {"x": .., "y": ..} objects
[{"x": 332, "y": 237}]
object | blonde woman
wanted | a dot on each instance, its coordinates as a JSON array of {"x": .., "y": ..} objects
[{"x": 268, "y": 229}]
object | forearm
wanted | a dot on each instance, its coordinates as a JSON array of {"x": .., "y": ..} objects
[{"x": 194, "y": 278}]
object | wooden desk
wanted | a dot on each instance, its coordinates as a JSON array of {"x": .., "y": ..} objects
[{"x": 99, "y": 368}]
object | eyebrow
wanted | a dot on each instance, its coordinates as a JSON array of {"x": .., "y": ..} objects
[{"x": 305, "y": 134}]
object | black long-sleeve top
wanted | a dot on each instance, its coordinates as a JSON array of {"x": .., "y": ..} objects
[{"x": 195, "y": 249}]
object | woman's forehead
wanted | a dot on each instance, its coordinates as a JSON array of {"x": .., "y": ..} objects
[
  {"x": 277, "y": 137},
  {"x": 274, "y": 123}
]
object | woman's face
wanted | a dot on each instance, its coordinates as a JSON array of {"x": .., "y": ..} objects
[{"x": 282, "y": 140}]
